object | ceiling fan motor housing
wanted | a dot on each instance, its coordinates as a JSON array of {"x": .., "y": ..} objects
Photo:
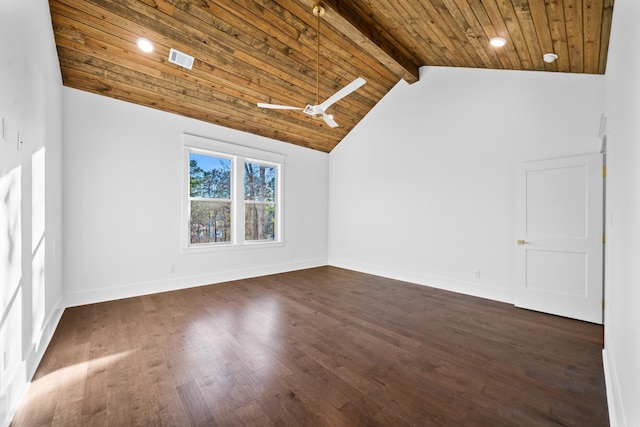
[{"x": 314, "y": 111}]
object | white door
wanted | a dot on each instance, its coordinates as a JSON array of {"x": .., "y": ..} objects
[{"x": 559, "y": 237}]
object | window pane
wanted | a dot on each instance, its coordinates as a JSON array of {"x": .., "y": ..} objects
[
  {"x": 209, "y": 176},
  {"x": 259, "y": 182},
  {"x": 260, "y": 221},
  {"x": 210, "y": 222}
]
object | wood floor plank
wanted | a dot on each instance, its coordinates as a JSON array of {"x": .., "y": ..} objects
[
  {"x": 275, "y": 401},
  {"x": 252, "y": 414},
  {"x": 195, "y": 405},
  {"x": 323, "y": 346}
]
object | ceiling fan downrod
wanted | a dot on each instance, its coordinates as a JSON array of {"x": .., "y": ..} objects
[{"x": 318, "y": 11}]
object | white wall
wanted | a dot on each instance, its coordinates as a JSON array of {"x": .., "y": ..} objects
[
  {"x": 122, "y": 203},
  {"x": 30, "y": 192},
  {"x": 423, "y": 188},
  {"x": 622, "y": 312}
]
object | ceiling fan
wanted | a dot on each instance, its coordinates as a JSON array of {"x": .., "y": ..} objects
[{"x": 319, "y": 111}]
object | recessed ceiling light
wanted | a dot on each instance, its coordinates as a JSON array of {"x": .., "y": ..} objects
[
  {"x": 549, "y": 57},
  {"x": 144, "y": 45},
  {"x": 497, "y": 42}
]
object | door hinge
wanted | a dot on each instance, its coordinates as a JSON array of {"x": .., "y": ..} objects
[
  {"x": 604, "y": 238},
  {"x": 603, "y": 304},
  {"x": 604, "y": 171}
]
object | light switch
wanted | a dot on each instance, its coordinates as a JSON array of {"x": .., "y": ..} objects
[{"x": 5, "y": 129}]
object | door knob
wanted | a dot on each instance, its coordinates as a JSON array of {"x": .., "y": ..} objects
[{"x": 522, "y": 242}]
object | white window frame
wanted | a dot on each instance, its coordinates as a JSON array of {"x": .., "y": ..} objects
[{"x": 238, "y": 154}]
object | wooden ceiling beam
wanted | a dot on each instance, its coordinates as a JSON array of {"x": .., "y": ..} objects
[{"x": 343, "y": 19}]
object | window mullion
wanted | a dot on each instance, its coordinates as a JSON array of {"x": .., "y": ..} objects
[{"x": 238, "y": 201}]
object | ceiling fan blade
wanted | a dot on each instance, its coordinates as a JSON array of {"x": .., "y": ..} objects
[
  {"x": 329, "y": 120},
  {"x": 342, "y": 93},
  {"x": 278, "y": 107}
]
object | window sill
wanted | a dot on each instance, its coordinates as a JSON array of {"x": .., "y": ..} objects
[{"x": 226, "y": 247}]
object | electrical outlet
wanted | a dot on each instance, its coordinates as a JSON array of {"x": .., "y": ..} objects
[
  {"x": 172, "y": 269},
  {"x": 477, "y": 273}
]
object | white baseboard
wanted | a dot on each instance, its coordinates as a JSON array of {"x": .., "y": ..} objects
[
  {"x": 19, "y": 383},
  {"x": 616, "y": 412},
  {"x": 91, "y": 296},
  {"x": 475, "y": 289}
]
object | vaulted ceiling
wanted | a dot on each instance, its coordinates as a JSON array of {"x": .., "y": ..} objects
[{"x": 250, "y": 51}]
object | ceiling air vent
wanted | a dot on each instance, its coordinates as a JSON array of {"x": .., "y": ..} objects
[{"x": 182, "y": 59}]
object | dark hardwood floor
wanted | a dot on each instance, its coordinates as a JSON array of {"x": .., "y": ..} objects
[{"x": 318, "y": 347}]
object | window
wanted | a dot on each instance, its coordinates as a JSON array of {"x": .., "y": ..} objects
[
  {"x": 209, "y": 198},
  {"x": 233, "y": 194},
  {"x": 259, "y": 201}
]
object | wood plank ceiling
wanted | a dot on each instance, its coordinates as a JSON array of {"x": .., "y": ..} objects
[{"x": 249, "y": 51}]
